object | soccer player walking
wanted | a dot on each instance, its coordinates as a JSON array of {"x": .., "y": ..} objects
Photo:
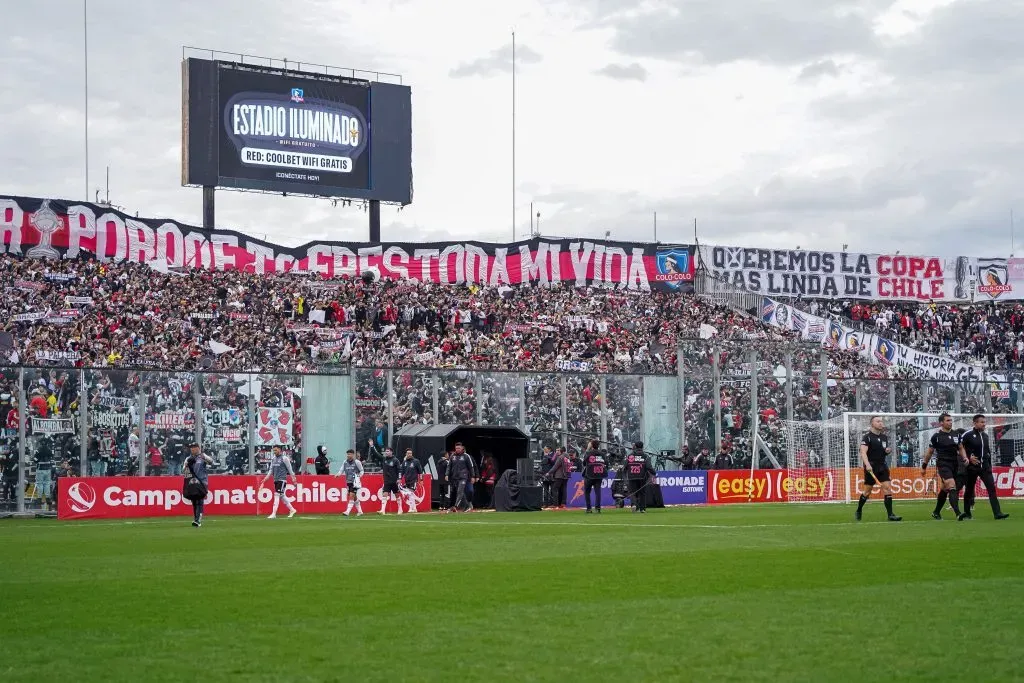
[
  {"x": 280, "y": 470},
  {"x": 874, "y": 456},
  {"x": 392, "y": 472},
  {"x": 352, "y": 469},
  {"x": 946, "y": 447},
  {"x": 412, "y": 473},
  {"x": 979, "y": 466}
]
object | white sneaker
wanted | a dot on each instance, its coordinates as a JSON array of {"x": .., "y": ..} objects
[
  {"x": 273, "y": 516},
  {"x": 291, "y": 514},
  {"x": 382, "y": 512},
  {"x": 359, "y": 514},
  {"x": 399, "y": 510},
  {"x": 344, "y": 514}
]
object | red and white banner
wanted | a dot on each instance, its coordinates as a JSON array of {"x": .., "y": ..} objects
[
  {"x": 55, "y": 229},
  {"x": 274, "y": 426},
  {"x": 122, "y": 497}
]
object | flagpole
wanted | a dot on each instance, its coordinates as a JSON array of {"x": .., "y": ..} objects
[
  {"x": 85, "y": 60},
  {"x": 513, "y": 136}
]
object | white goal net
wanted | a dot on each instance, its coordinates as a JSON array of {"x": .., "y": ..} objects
[{"x": 823, "y": 457}]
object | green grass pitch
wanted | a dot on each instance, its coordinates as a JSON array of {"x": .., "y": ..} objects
[{"x": 744, "y": 593}]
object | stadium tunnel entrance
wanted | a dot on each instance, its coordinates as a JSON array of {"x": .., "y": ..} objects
[{"x": 428, "y": 442}]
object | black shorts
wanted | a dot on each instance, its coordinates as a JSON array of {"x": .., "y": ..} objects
[
  {"x": 352, "y": 488},
  {"x": 279, "y": 486},
  {"x": 391, "y": 487},
  {"x": 881, "y": 475},
  {"x": 946, "y": 470}
]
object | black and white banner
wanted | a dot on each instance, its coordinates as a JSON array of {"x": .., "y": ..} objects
[
  {"x": 876, "y": 349},
  {"x": 42, "y": 426},
  {"x": 782, "y": 273}
]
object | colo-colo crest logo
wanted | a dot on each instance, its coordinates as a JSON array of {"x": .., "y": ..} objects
[{"x": 280, "y": 130}]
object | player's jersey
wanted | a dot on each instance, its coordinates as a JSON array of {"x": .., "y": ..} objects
[
  {"x": 352, "y": 469},
  {"x": 391, "y": 470},
  {"x": 946, "y": 446},
  {"x": 877, "y": 445},
  {"x": 281, "y": 467},
  {"x": 976, "y": 444},
  {"x": 412, "y": 470}
]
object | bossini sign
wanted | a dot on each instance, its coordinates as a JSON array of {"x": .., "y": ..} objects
[
  {"x": 841, "y": 275},
  {"x": 54, "y": 229}
]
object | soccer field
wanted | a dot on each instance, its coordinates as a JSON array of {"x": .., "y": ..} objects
[{"x": 744, "y": 593}]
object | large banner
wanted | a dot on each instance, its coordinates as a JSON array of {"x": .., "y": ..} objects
[
  {"x": 841, "y": 275},
  {"x": 121, "y": 497},
  {"x": 906, "y": 360},
  {"x": 677, "y": 488},
  {"x": 56, "y": 229},
  {"x": 909, "y": 484}
]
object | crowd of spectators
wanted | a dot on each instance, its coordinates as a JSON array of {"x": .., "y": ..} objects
[
  {"x": 988, "y": 334},
  {"x": 456, "y": 354}
]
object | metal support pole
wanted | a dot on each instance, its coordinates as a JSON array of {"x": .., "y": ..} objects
[
  {"x": 477, "y": 395},
  {"x": 892, "y": 396},
  {"x": 958, "y": 396},
  {"x": 435, "y": 387},
  {"x": 858, "y": 398},
  {"x": 924, "y": 396},
  {"x": 788, "y": 360},
  {"x": 83, "y": 425},
  {"x": 23, "y": 415},
  {"x": 681, "y": 393},
  {"x": 754, "y": 413},
  {"x": 141, "y": 407},
  {"x": 603, "y": 407},
  {"x": 565, "y": 413},
  {"x": 250, "y": 426},
  {"x": 391, "y": 405},
  {"x": 716, "y": 374},
  {"x": 197, "y": 406},
  {"x": 522, "y": 402},
  {"x": 823, "y": 378}
]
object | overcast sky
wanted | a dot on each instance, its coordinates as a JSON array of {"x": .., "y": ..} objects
[{"x": 878, "y": 124}]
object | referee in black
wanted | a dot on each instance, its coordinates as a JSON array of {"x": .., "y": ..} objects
[
  {"x": 874, "y": 456},
  {"x": 979, "y": 466},
  {"x": 945, "y": 446}
]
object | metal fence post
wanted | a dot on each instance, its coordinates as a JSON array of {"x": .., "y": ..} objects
[
  {"x": 83, "y": 425},
  {"x": 23, "y": 414},
  {"x": 602, "y": 405},
  {"x": 141, "y": 404},
  {"x": 716, "y": 373},
  {"x": 250, "y": 425},
  {"x": 681, "y": 392}
]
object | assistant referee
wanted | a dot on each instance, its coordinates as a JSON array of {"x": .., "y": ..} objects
[
  {"x": 979, "y": 456},
  {"x": 874, "y": 456}
]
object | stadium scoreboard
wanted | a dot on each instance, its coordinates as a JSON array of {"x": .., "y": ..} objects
[{"x": 253, "y": 127}]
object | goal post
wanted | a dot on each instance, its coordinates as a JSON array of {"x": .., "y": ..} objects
[{"x": 823, "y": 456}]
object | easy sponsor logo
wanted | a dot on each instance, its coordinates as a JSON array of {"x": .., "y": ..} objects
[
  {"x": 770, "y": 486},
  {"x": 1009, "y": 481}
]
